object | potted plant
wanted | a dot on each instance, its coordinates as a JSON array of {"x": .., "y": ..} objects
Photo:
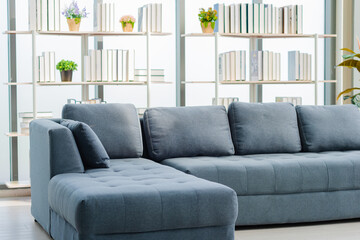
[
  {"x": 74, "y": 15},
  {"x": 350, "y": 61},
  {"x": 127, "y": 23},
  {"x": 207, "y": 20},
  {"x": 66, "y": 69}
]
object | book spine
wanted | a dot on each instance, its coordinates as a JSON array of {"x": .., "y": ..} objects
[
  {"x": 232, "y": 65},
  {"x": 291, "y": 65},
  {"x": 243, "y": 18},
  {"x": 44, "y": 15},
  {"x": 107, "y": 17},
  {"x": 109, "y": 65},
  {"x": 104, "y": 65},
  {"x": 266, "y": 16},
  {"x": 280, "y": 20},
  {"x": 221, "y": 67},
  {"x": 92, "y": 54},
  {"x": 153, "y": 17},
  {"x": 52, "y": 66},
  {"x": 51, "y": 17},
  {"x": 237, "y": 65},
  {"x": 38, "y": 15},
  {"x": 57, "y": 15},
  {"x": 114, "y": 66},
  {"x": 32, "y": 14},
  {"x": 260, "y": 64},
  {"x": 270, "y": 67},
  {"x": 227, "y": 66},
  {"x": 103, "y": 17},
  {"x": 256, "y": 18},
  {"x": 285, "y": 20},
  {"x": 87, "y": 70},
  {"x": 99, "y": 17},
  {"x": 309, "y": 63},
  {"x": 265, "y": 64},
  {"x": 125, "y": 65},
  {"x": 237, "y": 18},
  {"x": 47, "y": 65},
  {"x": 250, "y": 18},
  {"x": 232, "y": 18},
  {"x": 278, "y": 64},
  {"x": 227, "y": 19},
  {"x": 274, "y": 76},
  {"x": 254, "y": 66},
  {"x": 131, "y": 66},
  {"x": 120, "y": 65},
  {"x": 41, "y": 69},
  {"x": 261, "y": 18},
  {"x": 159, "y": 17},
  {"x": 98, "y": 65},
  {"x": 243, "y": 65},
  {"x": 219, "y": 24},
  {"x": 140, "y": 19}
]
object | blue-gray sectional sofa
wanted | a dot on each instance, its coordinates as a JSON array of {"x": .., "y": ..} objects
[{"x": 192, "y": 172}]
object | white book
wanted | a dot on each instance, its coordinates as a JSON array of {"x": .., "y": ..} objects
[
  {"x": 232, "y": 66},
  {"x": 270, "y": 67},
  {"x": 219, "y": 24},
  {"x": 243, "y": 65},
  {"x": 293, "y": 65},
  {"x": 280, "y": 20},
  {"x": 41, "y": 69},
  {"x": 111, "y": 17},
  {"x": 256, "y": 66},
  {"x": 38, "y": 15},
  {"x": 103, "y": 17},
  {"x": 232, "y": 18},
  {"x": 92, "y": 54},
  {"x": 98, "y": 65},
  {"x": 104, "y": 65},
  {"x": 305, "y": 58},
  {"x": 221, "y": 67},
  {"x": 140, "y": 19},
  {"x": 278, "y": 64},
  {"x": 265, "y": 65},
  {"x": 301, "y": 66},
  {"x": 99, "y": 17},
  {"x": 158, "y": 17},
  {"x": 238, "y": 65},
  {"x": 299, "y": 19},
  {"x": 285, "y": 20},
  {"x": 256, "y": 18},
  {"x": 119, "y": 65},
  {"x": 87, "y": 68},
  {"x": 149, "y": 17},
  {"x": 47, "y": 65},
  {"x": 153, "y": 17},
  {"x": 309, "y": 67},
  {"x": 125, "y": 65},
  {"x": 153, "y": 78},
  {"x": 51, "y": 15},
  {"x": 114, "y": 65},
  {"x": 237, "y": 18},
  {"x": 266, "y": 16},
  {"x": 131, "y": 68},
  {"x": 261, "y": 18},
  {"x": 52, "y": 67},
  {"x": 227, "y": 19},
  {"x": 270, "y": 18},
  {"x": 154, "y": 72},
  {"x": 146, "y": 19},
  {"x": 274, "y": 73},
  {"x": 44, "y": 16},
  {"x": 32, "y": 14},
  {"x": 57, "y": 15},
  {"x": 109, "y": 65},
  {"x": 227, "y": 66},
  {"x": 275, "y": 26},
  {"x": 250, "y": 18},
  {"x": 293, "y": 19},
  {"x": 107, "y": 17},
  {"x": 243, "y": 18}
]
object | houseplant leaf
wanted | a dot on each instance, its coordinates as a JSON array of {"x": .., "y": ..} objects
[
  {"x": 348, "y": 50},
  {"x": 346, "y": 91}
]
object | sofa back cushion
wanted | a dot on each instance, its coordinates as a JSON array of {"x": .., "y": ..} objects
[
  {"x": 329, "y": 128},
  {"x": 92, "y": 152},
  {"x": 116, "y": 125},
  {"x": 264, "y": 128},
  {"x": 187, "y": 132}
]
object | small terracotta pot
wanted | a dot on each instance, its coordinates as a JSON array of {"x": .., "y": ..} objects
[
  {"x": 127, "y": 28},
  {"x": 207, "y": 29},
  {"x": 66, "y": 76},
  {"x": 73, "y": 26}
]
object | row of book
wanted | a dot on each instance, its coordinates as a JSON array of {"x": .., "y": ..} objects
[
  {"x": 265, "y": 66},
  {"x": 299, "y": 66},
  {"x": 46, "y": 67},
  {"x": 294, "y": 100},
  {"x": 26, "y": 117},
  {"x": 110, "y": 65},
  {"x": 106, "y": 17},
  {"x": 232, "y": 66},
  {"x": 47, "y": 15},
  {"x": 150, "y": 18},
  {"x": 259, "y": 18},
  {"x": 225, "y": 101}
]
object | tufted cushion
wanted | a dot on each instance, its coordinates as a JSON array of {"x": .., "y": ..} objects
[
  {"x": 116, "y": 125},
  {"x": 187, "y": 132},
  {"x": 264, "y": 128},
  {"x": 92, "y": 152},
  {"x": 139, "y": 195},
  {"x": 277, "y": 173},
  {"x": 329, "y": 128}
]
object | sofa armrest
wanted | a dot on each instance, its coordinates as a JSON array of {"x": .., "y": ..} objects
[{"x": 53, "y": 151}]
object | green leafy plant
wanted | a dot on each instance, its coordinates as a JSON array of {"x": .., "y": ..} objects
[
  {"x": 207, "y": 17},
  {"x": 351, "y": 61},
  {"x": 66, "y": 65}
]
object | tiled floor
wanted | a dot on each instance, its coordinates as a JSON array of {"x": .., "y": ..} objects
[{"x": 16, "y": 222}]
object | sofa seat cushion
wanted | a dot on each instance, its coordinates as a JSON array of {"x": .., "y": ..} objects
[
  {"x": 277, "y": 173},
  {"x": 139, "y": 195}
]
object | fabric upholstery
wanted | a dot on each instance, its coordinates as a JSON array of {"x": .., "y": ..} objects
[
  {"x": 116, "y": 125},
  {"x": 277, "y": 173},
  {"x": 52, "y": 151},
  {"x": 329, "y": 128},
  {"x": 62, "y": 230},
  {"x": 187, "y": 131},
  {"x": 92, "y": 152},
  {"x": 264, "y": 128},
  {"x": 299, "y": 207},
  {"x": 139, "y": 195}
]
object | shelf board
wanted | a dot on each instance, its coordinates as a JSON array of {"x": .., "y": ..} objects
[
  {"x": 16, "y": 134},
  {"x": 88, "y": 33},
  {"x": 256, "y": 35},
  {"x": 85, "y": 83},
  {"x": 190, "y": 82},
  {"x": 277, "y": 82}
]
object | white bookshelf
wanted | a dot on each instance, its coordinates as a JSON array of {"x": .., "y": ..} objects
[{"x": 252, "y": 37}]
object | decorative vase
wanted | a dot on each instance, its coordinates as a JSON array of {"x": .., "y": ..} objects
[
  {"x": 66, "y": 76},
  {"x": 74, "y": 24},
  {"x": 127, "y": 28},
  {"x": 207, "y": 29}
]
